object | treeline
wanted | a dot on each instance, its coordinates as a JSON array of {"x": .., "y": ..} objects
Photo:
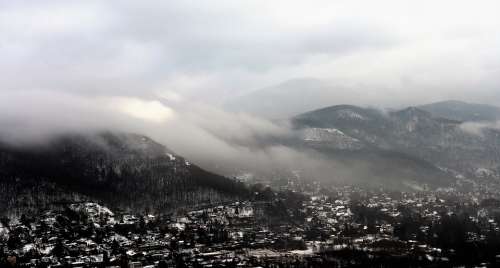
[
  {"x": 465, "y": 237},
  {"x": 123, "y": 172}
]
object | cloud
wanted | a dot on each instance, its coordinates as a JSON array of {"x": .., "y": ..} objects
[
  {"x": 478, "y": 128},
  {"x": 202, "y": 133},
  {"x": 36, "y": 115},
  {"x": 163, "y": 68},
  {"x": 153, "y": 111},
  {"x": 221, "y": 49},
  {"x": 219, "y": 141},
  {"x": 96, "y": 47}
]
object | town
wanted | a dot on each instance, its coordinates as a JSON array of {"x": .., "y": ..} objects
[{"x": 317, "y": 227}]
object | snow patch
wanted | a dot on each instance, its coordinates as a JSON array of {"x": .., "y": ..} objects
[
  {"x": 349, "y": 114},
  {"x": 331, "y": 136}
]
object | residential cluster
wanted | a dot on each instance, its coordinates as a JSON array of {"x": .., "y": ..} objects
[{"x": 322, "y": 227}]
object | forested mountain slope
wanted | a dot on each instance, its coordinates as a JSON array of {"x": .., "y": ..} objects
[{"x": 124, "y": 171}]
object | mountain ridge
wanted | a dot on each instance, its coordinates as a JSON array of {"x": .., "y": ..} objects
[
  {"x": 463, "y": 111},
  {"x": 125, "y": 171},
  {"x": 411, "y": 131}
]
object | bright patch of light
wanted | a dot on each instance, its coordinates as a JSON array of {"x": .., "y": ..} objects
[{"x": 153, "y": 111}]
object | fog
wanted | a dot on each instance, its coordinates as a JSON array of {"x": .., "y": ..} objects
[
  {"x": 201, "y": 133},
  {"x": 229, "y": 143},
  {"x": 176, "y": 70},
  {"x": 478, "y": 128}
]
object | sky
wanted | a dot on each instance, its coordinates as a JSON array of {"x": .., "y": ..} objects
[
  {"x": 166, "y": 67},
  {"x": 212, "y": 51}
]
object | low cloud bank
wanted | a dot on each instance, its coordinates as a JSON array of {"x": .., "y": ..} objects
[
  {"x": 478, "y": 128},
  {"x": 229, "y": 142}
]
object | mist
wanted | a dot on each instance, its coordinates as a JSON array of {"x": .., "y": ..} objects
[
  {"x": 249, "y": 133},
  {"x": 228, "y": 143},
  {"x": 478, "y": 128},
  {"x": 184, "y": 72},
  {"x": 203, "y": 134}
]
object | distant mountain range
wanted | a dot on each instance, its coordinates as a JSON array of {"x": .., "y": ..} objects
[
  {"x": 433, "y": 142},
  {"x": 463, "y": 111},
  {"x": 297, "y": 96},
  {"x": 123, "y": 171},
  {"x": 290, "y": 98},
  {"x": 412, "y": 148},
  {"x": 439, "y": 142}
]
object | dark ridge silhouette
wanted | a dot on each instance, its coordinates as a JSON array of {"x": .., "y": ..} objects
[{"x": 124, "y": 171}]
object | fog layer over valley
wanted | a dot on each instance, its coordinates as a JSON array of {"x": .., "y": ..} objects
[
  {"x": 249, "y": 133},
  {"x": 229, "y": 143},
  {"x": 403, "y": 149},
  {"x": 221, "y": 83}
]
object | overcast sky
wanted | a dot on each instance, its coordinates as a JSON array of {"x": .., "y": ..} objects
[
  {"x": 215, "y": 50},
  {"x": 162, "y": 68},
  {"x": 64, "y": 62}
]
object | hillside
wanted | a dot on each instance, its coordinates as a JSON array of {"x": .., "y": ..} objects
[
  {"x": 439, "y": 144},
  {"x": 124, "y": 171},
  {"x": 463, "y": 111},
  {"x": 294, "y": 96}
]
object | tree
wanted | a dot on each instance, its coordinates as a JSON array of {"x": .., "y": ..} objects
[{"x": 5, "y": 222}]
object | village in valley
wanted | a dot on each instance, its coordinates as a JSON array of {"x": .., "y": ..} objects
[{"x": 314, "y": 227}]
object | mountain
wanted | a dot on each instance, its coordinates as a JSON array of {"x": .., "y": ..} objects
[
  {"x": 463, "y": 111},
  {"x": 123, "y": 171},
  {"x": 294, "y": 96},
  {"x": 439, "y": 146}
]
